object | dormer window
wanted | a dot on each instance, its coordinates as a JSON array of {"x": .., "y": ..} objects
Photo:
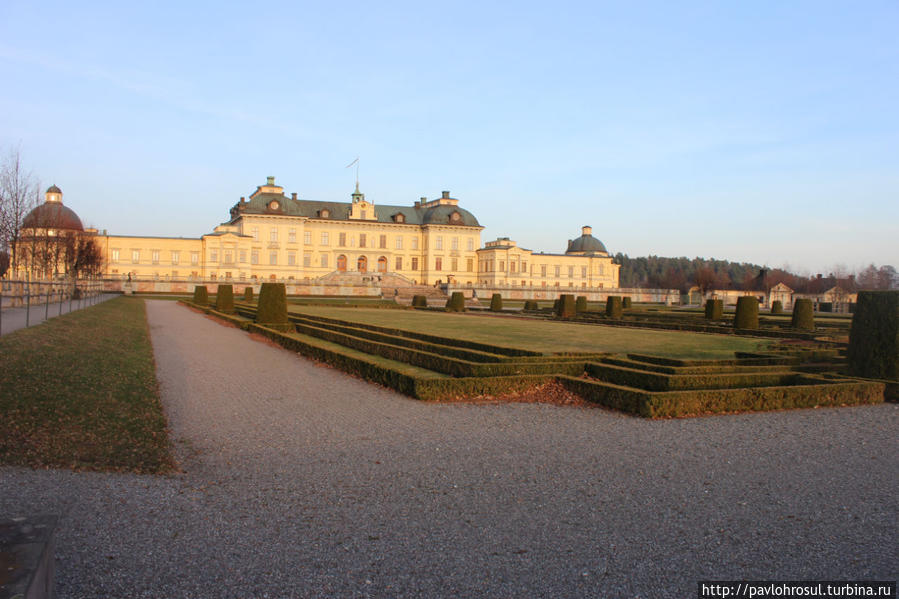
[
  {"x": 455, "y": 217},
  {"x": 274, "y": 205},
  {"x": 399, "y": 218},
  {"x": 324, "y": 213}
]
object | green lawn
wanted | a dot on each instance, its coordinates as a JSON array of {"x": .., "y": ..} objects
[
  {"x": 80, "y": 391},
  {"x": 547, "y": 336}
]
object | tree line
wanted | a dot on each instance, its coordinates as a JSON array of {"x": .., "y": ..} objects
[{"x": 658, "y": 272}]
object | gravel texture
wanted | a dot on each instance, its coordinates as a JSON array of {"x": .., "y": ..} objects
[{"x": 300, "y": 481}]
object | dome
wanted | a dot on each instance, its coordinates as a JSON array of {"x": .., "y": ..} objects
[
  {"x": 586, "y": 243},
  {"x": 52, "y": 215},
  {"x": 54, "y": 189}
]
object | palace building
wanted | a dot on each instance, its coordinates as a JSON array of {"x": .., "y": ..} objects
[{"x": 270, "y": 236}]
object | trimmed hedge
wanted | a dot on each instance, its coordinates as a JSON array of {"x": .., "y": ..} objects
[
  {"x": 747, "y": 316},
  {"x": 874, "y": 336},
  {"x": 714, "y": 309},
  {"x": 248, "y": 294},
  {"x": 496, "y": 303},
  {"x": 613, "y": 306},
  {"x": 201, "y": 295},
  {"x": 803, "y": 315},
  {"x": 456, "y": 302},
  {"x": 657, "y": 381},
  {"x": 224, "y": 299},
  {"x": 272, "y": 310},
  {"x": 531, "y": 305},
  {"x": 580, "y": 304},
  {"x": 419, "y": 301},
  {"x": 566, "y": 306},
  {"x": 777, "y": 307},
  {"x": 627, "y": 302}
]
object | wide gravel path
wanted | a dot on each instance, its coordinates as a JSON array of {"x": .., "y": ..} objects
[{"x": 300, "y": 481}]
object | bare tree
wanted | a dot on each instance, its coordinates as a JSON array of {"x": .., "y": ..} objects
[{"x": 19, "y": 193}]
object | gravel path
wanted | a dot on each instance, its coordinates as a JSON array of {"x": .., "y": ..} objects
[{"x": 301, "y": 481}]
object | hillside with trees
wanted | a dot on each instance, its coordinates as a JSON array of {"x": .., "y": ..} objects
[{"x": 657, "y": 272}]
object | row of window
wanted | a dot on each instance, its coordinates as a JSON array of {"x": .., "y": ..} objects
[
  {"x": 488, "y": 266},
  {"x": 116, "y": 256},
  {"x": 361, "y": 240}
]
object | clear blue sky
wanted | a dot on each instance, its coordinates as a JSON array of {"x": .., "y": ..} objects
[{"x": 754, "y": 131}]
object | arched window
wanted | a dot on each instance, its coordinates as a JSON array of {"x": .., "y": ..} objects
[
  {"x": 382, "y": 264},
  {"x": 341, "y": 263},
  {"x": 362, "y": 264}
]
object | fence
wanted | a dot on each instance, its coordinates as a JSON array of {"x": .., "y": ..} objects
[{"x": 37, "y": 297}]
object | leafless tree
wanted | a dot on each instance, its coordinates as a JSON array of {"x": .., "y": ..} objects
[{"x": 19, "y": 193}]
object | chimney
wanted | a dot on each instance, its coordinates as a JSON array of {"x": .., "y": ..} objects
[
  {"x": 445, "y": 195},
  {"x": 270, "y": 181},
  {"x": 243, "y": 200},
  {"x": 293, "y": 196},
  {"x": 587, "y": 230}
]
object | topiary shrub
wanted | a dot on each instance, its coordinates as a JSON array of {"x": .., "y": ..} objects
[
  {"x": 626, "y": 303},
  {"x": 555, "y": 306},
  {"x": 613, "y": 306},
  {"x": 248, "y": 294},
  {"x": 874, "y": 336},
  {"x": 201, "y": 295},
  {"x": 777, "y": 307},
  {"x": 714, "y": 309},
  {"x": 224, "y": 299},
  {"x": 419, "y": 301},
  {"x": 747, "y": 316},
  {"x": 496, "y": 303},
  {"x": 456, "y": 302},
  {"x": 803, "y": 315},
  {"x": 580, "y": 304},
  {"x": 566, "y": 306},
  {"x": 531, "y": 305},
  {"x": 272, "y": 308}
]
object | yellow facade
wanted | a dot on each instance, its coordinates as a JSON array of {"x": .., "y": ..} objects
[
  {"x": 274, "y": 237},
  {"x": 586, "y": 264}
]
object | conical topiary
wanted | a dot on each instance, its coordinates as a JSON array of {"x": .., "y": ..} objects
[
  {"x": 626, "y": 302},
  {"x": 874, "y": 336},
  {"x": 747, "y": 316},
  {"x": 803, "y": 315},
  {"x": 566, "y": 306},
  {"x": 248, "y": 294},
  {"x": 496, "y": 303},
  {"x": 580, "y": 304},
  {"x": 201, "y": 295},
  {"x": 224, "y": 299},
  {"x": 777, "y": 307},
  {"x": 613, "y": 306},
  {"x": 456, "y": 302},
  {"x": 271, "y": 311},
  {"x": 714, "y": 309}
]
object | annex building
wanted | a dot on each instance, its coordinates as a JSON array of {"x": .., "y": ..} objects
[{"x": 271, "y": 236}]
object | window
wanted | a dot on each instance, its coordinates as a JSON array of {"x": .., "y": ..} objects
[
  {"x": 583, "y": 272},
  {"x": 454, "y": 244},
  {"x": 557, "y": 269},
  {"x": 213, "y": 256},
  {"x": 383, "y": 242},
  {"x": 341, "y": 240},
  {"x": 439, "y": 243},
  {"x": 543, "y": 270},
  {"x": 254, "y": 257},
  {"x": 176, "y": 257},
  {"x": 255, "y": 232},
  {"x": 414, "y": 263},
  {"x": 324, "y": 238},
  {"x": 195, "y": 257},
  {"x": 382, "y": 264},
  {"x": 307, "y": 237},
  {"x": 291, "y": 259},
  {"x": 115, "y": 255},
  {"x": 502, "y": 265},
  {"x": 307, "y": 260},
  {"x": 415, "y": 243},
  {"x": 471, "y": 244},
  {"x": 324, "y": 261},
  {"x": 438, "y": 263},
  {"x": 135, "y": 256},
  {"x": 243, "y": 256},
  {"x": 325, "y": 213},
  {"x": 399, "y": 243},
  {"x": 362, "y": 240},
  {"x": 363, "y": 215},
  {"x": 399, "y": 263},
  {"x": 470, "y": 265},
  {"x": 341, "y": 263},
  {"x": 229, "y": 257},
  {"x": 273, "y": 235},
  {"x": 155, "y": 257},
  {"x": 511, "y": 267},
  {"x": 291, "y": 236},
  {"x": 570, "y": 272},
  {"x": 524, "y": 267},
  {"x": 454, "y": 264},
  {"x": 273, "y": 258}
]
